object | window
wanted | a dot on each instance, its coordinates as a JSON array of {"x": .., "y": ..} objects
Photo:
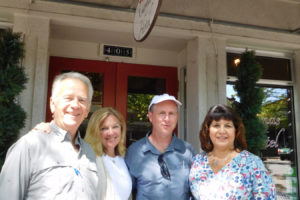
[
  {"x": 278, "y": 115},
  {"x": 273, "y": 68}
]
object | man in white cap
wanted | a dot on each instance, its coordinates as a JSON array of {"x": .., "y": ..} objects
[{"x": 159, "y": 163}]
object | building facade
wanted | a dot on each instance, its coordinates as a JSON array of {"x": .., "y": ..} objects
[{"x": 186, "y": 52}]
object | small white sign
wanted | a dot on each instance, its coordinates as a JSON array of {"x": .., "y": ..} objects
[
  {"x": 145, "y": 17},
  {"x": 109, "y": 50}
]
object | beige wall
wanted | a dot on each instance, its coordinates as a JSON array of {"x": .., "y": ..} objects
[
  {"x": 53, "y": 29},
  {"x": 89, "y": 50}
]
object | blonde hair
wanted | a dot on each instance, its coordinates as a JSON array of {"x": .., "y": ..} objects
[{"x": 93, "y": 131}]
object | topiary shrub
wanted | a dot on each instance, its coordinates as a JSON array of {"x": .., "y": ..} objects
[
  {"x": 12, "y": 82},
  {"x": 251, "y": 97}
]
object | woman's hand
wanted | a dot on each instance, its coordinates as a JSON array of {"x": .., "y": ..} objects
[{"x": 43, "y": 126}]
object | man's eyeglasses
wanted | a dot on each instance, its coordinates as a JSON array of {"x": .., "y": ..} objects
[{"x": 163, "y": 167}]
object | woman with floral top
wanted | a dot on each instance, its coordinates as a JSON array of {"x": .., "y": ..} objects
[{"x": 225, "y": 170}]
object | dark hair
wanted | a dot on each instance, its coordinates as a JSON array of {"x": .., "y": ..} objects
[{"x": 216, "y": 113}]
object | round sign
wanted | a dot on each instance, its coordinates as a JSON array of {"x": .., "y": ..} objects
[{"x": 145, "y": 16}]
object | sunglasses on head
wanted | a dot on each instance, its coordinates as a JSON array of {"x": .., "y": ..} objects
[{"x": 163, "y": 167}]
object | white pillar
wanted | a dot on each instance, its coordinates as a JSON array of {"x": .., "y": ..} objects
[
  {"x": 36, "y": 32},
  {"x": 296, "y": 78},
  {"x": 206, "y": 82}
]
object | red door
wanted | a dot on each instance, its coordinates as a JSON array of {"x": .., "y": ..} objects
[{"x": 126, "y": 87}]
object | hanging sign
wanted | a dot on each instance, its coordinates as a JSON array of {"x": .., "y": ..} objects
[{"x": 145, "y": 17}]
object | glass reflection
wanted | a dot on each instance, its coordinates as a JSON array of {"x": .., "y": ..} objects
[{"x": 279, "y": 155}]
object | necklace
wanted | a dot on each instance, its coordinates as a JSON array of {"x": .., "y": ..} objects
[
  {"x": 218, "y": 161},
  {"x": 113, "y": 159}
]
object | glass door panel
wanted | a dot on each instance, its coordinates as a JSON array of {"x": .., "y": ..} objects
[
  {"x": 136, "y": 86},
  {"x": 97, "y": 82},
  {"x": 140, "y": 92}
]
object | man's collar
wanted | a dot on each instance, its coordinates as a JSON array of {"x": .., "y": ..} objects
[
  {"x": 63, "y": 134},
  {"x": 149, "y": 146},
  {"x": 176, "y": 144}
]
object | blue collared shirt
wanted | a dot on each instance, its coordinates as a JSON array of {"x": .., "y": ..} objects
[{"x": 142, "y": 162}]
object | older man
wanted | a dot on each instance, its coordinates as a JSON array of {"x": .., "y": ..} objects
[
  {"x": 159, "y": 164},
  {"x": 59, "y": 165}
]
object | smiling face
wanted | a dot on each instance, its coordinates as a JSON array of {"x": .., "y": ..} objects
[
  {"x": 110, "y": 133},
  {"x": 70, "y": 106},
  {"x": 222, "y": 134}
]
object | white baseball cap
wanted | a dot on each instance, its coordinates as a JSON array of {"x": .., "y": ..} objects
[{"x": 164, "y": 97}]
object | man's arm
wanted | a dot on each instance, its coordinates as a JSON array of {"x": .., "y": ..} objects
[
  {"x": 128, "y": 161},
  {"x": 15, "y": 173}
]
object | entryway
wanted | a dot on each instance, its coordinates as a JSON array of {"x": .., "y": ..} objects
[{"x": 126, "y": 87}]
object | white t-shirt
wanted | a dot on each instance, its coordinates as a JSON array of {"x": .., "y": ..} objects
[{"x": 119, "y": 175}]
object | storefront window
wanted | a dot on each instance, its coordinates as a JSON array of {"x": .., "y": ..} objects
[{"x": 280, "y": 153}]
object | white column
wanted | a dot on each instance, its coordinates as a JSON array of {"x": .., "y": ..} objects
[
  {"x": 36, "y": 32},
  {"x": 206, "y": 82},
  {"x": 296, "y": 78}
]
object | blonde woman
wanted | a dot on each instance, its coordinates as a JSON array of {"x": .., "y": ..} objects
[{"x": 106, "y": 133}]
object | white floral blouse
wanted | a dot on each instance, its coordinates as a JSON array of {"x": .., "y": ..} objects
[{"x": 244, "y": 177}]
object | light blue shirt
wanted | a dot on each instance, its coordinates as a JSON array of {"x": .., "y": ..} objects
[
  {"x": 142, "y": 162},
  {"x": 46, "y": 166}
]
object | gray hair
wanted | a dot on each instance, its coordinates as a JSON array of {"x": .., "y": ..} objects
[{"x": 72, "y": 75}]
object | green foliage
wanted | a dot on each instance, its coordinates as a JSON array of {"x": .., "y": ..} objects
[
  {"x": 251, "y": 98},
  {"x": 11, "y": 49},
  {"x": 14, "y": 118},
  {"x": 12, "y": 82},
  {"x": 275, "y": 110},
  {"x": 137, "y": 107}
]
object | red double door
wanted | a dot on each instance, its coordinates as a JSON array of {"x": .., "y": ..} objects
[{"x": 126, "y": 87}]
